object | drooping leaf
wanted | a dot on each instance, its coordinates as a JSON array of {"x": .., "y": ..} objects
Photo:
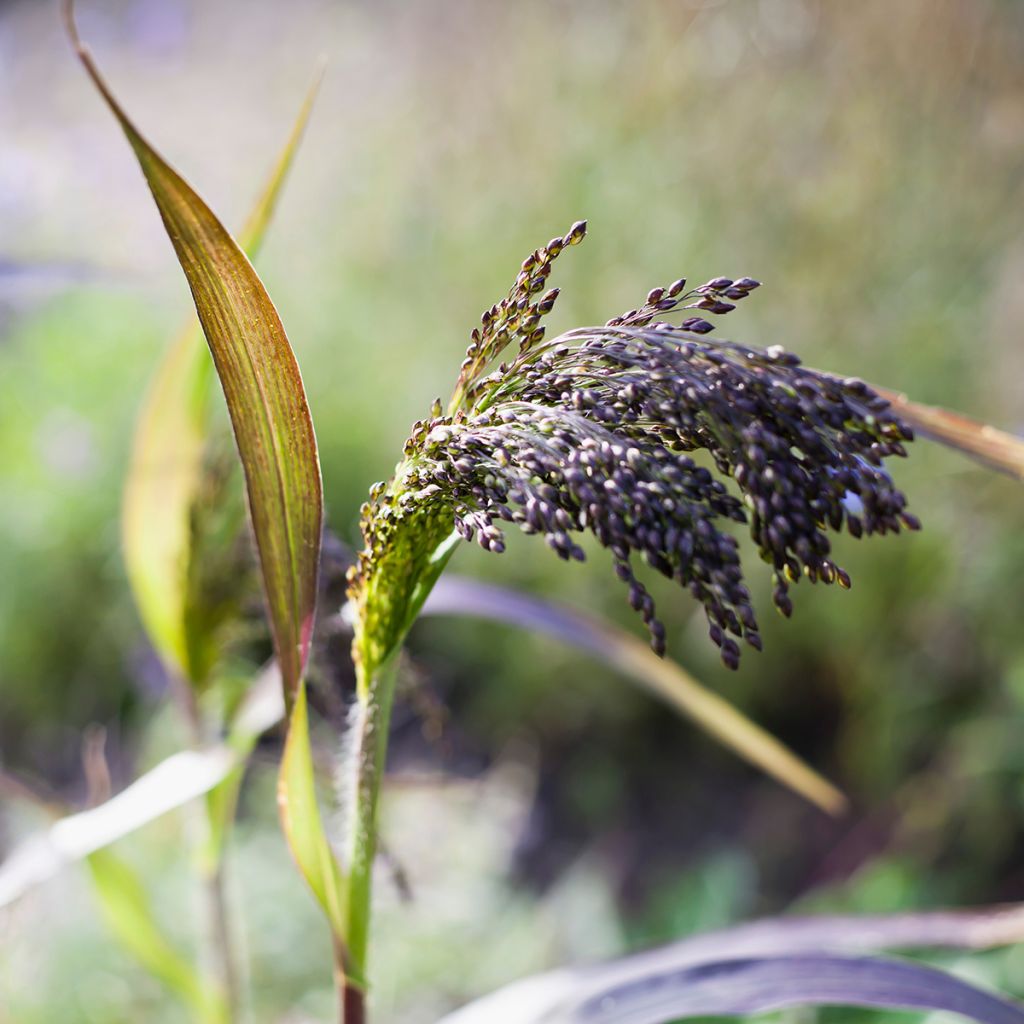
[
  {"x": 976, "y": 928},
  {"x": 995, "y": 448},
  {"x": 171, "y": 784},
  {"x": 558, "y": 996},
  {"x": 126, "y": 909},
  {"x": 632, "y": 657},
  {"x": 759, "y": 985},
  {"x": 735, "y": 987},
  {"x": 262, "y": 386},
  {"x": 301, "y": 822}
]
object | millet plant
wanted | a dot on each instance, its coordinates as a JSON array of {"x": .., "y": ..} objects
[
  {"x": 649, "y": 434},
  {"x": 589, "y": 432}
]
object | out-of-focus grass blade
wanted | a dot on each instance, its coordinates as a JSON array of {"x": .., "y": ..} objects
[
  {"x": 996, "y": 448},
  {"x": 262, "y": 385},
  {"x": 261, "y": 709},
  {"x": 164, "y": 473},
  {"x": 551, "y": 996},
  {"x": 172, "y": 783},
  {"x": 614, "y": 646},
  {"x": 300, "y": 819},
  {"x": 253, "y": 232},
  {"x": 126, "y": 909},
  {"x": 977, "y": 928},
  {"x": 760, "y": 985},
  {"x": 162, "y": 477},
  {"x": 643, "y": 994}
]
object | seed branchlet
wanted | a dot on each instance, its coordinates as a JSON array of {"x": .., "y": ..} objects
[{"x": 590, "y": 432}]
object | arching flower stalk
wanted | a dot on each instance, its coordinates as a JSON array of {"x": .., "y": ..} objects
[{"x": 592, "y": 432}]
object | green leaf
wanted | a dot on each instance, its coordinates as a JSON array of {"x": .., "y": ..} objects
[
  {"x": 260, "y": 709},
  {"x": 262, "y": 386},
  {"x": 632, "y": 657},
  {"x": 301, "y": 822},
  {"x": 162, "y": 478},
  {"x": 126, "y": 910}
]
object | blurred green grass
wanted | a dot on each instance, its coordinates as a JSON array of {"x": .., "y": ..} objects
[{"x": 865, "y": 161}]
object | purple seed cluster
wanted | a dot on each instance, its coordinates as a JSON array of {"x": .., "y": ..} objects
[{"x": 596, "y": 432}]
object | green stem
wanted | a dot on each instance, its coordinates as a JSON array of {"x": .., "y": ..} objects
[
  {"x": 368, "y": 739},
  {"x": 223, "y": 951},
  {"x": 391, "y": 601},
  {"x": 217, "y": 940}
]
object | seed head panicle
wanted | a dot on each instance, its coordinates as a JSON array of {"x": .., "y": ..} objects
[
  {"x": 591, "y": 433},
  {"x": 515, "y": 318}
]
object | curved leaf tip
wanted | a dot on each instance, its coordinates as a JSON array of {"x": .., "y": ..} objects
[
  {"x": 262, "y": 386},
  {"x": 166, "y": 474}
]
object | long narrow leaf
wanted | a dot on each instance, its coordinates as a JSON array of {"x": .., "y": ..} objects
[
  {"x": 164, "y": 474},
  {"x": 632, "y": 657},
  {"x": 995, "y": 448},
  {"x": 126, "y": 909},
  {"x": 950, "y": 929},
  {"x": 759, "y": 985},
  {"x": 175, "y": 781},
  {"x": 171, "y": 784},
  {"x": 262, "y": 386},
  {"x": 558, "y": 995},
  {"x": 734, "y": 986},
  {"x": 300, "y": 818}
]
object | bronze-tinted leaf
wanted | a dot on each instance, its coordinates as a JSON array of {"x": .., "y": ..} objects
[
  {"x": 263, "y": 388},
  {"x": 164, "y": 475}
]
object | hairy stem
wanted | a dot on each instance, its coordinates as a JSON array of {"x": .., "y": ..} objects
[
  {"x": 364, "y": 765},
  {"x": 387, "y": 599}
]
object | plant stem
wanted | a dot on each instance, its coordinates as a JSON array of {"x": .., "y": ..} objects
[
  {"x": 368, "y": 736},
  {"x": 219, "y": 953},
  {"x": 386, "y": 609},
  {"x": 223, "y": 953},
  {"x": 352, "y": 1003}
]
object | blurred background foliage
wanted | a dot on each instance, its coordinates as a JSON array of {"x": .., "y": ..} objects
[{"x": 866, "y": 161}]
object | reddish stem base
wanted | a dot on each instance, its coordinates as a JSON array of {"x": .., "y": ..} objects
[{"x": 353, "y": 1005}]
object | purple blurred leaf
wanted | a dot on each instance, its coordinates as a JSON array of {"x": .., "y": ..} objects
[
  {"x": 631, "y": 656},
  {"x": 549, "y": 997},
  {"x": 736, "y": 986},
  {"x": 763, "y": 984},
  {"x": 950, "y": 929}
]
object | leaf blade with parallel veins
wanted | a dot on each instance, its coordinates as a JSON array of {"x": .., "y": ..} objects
[
  {"x": 262, "y": 387},
  {"x": 165, "y": 471}
]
